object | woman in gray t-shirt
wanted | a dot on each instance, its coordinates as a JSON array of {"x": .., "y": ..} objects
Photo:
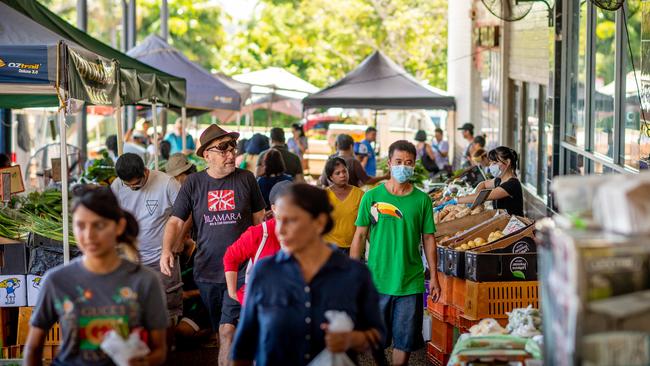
[{"x": 99, "y": 291}]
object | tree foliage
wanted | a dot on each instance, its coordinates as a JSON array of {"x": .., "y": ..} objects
[
  {"x": 321, "y": 40},
  {"x": 318, "y": 40}
]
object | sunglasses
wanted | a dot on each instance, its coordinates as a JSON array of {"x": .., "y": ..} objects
[{"x": 224, "y": 147}]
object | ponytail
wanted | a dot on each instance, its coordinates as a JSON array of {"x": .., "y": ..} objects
[{"x": 103, "y": 202}]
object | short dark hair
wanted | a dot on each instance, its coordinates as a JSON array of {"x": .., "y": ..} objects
[
  {"x": 371, "y": 129},
  {"x": 401, "y": 145},
  {"x": 480, "y": 140},
  {"x": 439, "y": 130},
  {"x": 344, "y": 142},
  {"x": 277, "y": 134},
  {"x": 111, "y": 143},
  {"x": 165, "y": 149},
  {"x": 273, "y": 163},
  {"x": 312, "y": 200},
  {"x": 331, "y": 165},
  {"x": 129, "y": 166},
  {"x": 5, "y": 161},
  {"x": 421, "y": 136}
]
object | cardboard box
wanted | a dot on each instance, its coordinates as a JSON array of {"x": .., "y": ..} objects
[
  {"x": 512, "y": 258},
  {"x": 499, "y": 267},
  {"x": 33, "y": 284},
  {"x": 13, "y": 291},
  {"x": 454, "y": 261},
  {"x": 464, "y": 225},
  {"x": 14, "y": 257}
]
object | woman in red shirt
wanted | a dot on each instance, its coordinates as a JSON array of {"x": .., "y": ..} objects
[{"x": 249, "y": 247}]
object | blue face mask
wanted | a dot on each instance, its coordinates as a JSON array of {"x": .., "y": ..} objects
[
  {"x": 495, "y": 170},
  {"x": 402, "y": 173}
]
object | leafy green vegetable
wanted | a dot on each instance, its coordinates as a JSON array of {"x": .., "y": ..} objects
[
  {"x": 519, "y": 274},
  {"x": 198, "y": 162}
]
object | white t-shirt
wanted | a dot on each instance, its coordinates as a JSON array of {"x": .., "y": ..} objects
[
  {"x": 151, "y": 206},
  {"x": 438, "y": 148}
]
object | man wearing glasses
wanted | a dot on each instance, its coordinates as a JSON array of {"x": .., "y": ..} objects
[
  {"x": 149, "y": 197},
  {"x": 221, "y": 202}
]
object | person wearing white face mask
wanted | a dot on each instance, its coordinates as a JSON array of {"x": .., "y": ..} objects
[
  {"x": 396, "y": 217},
  {"x": 257, "y": 242},
  {"x": 506, "y": 188}
]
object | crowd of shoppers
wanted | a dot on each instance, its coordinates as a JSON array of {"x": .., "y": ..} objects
[{"x": 253, "y": 261}]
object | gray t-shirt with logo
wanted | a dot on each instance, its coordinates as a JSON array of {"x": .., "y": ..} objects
[
  {"x": 221, "y": 209},
  {"x": 152, "y": 207},
  {"x": 87, "y": 305}
]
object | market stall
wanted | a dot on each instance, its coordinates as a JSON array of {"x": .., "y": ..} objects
[
  {"x": 50, "y": 63},
  {"x": 487, "y": 270}
]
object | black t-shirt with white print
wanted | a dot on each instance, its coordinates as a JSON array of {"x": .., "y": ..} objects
[{"x": 222, "y": 209}]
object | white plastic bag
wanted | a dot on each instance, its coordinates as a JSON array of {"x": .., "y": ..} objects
[
  {"x": 339, "y": 321},
  {"x": 120, "y": 350}
]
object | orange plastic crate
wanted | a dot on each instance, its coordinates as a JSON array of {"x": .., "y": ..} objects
[
  {"x": 435, "y": 356},
  {"x": 464, "y": 323},
  {"x": 24, "y": 315},
  {"x": 458, "y": 293},
  {"x": 494, "y": 299},
  {"x": 442, "y": 335}
]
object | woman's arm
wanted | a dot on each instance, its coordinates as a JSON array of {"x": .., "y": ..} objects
[
  {"x": 357, "y": 340},
  {"x": 496, "y": 194},
  {"x": 239, "y": 252},
  {"x": 429, "y": 151},
  {"x": 158, "y": 346},
  {"x": 33, "y": 353}
]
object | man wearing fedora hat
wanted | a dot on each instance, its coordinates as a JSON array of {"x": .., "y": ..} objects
[{"x": 221, "y": 202}]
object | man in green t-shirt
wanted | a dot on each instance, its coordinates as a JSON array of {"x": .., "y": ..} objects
[{"x": 398, "y": 218}]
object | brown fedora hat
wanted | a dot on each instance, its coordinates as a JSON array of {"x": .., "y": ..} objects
[{"x": 212, "y": 133}]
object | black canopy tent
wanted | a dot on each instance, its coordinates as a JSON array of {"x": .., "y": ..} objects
[{"x": 379, "y": 83}]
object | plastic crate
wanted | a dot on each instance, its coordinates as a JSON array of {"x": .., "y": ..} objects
[
  {"x": 458, "y": 293},
  {"x": 447, "y": 313},
  {"x": 24, "y": 315},
  {"x": 435, "y": 356},
  {"x": 494, "y": 299},
  {"x": 442, "y": 335},
  {"x": 464, "y": 323}
]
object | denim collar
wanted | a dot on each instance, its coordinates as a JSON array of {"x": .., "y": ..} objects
[{"x": 336, "y": 259}]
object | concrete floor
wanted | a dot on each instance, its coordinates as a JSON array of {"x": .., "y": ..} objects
[{"x": 208, "y": 356}]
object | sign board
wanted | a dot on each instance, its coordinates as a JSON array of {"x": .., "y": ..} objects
[
  {"x": 56, "y": 169},
  {"x": 33, "y": 285},
  {"x": 13, "y": 291},
  {"x": 23, "y": 64},
  {"x": 16, "y": 182}
]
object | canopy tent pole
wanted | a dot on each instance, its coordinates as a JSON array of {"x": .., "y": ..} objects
[
  {"x": 64, "y": 182},
  {"x": 155, "y": 135},
  {"x": 183, "y": 127},
  {"x": 120, "y": 131},
  {"x": 238, "y": 121}
]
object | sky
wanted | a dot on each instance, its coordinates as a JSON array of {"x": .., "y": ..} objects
[{"x": 238, "y": 9}]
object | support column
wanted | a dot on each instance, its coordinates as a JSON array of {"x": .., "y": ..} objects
[{"x": 5, "y": 131}]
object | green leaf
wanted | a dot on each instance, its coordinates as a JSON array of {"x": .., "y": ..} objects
[{"x": 519, "y": 274}]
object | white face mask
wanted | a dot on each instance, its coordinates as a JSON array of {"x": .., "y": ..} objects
[{"x": 495, "y": 170}]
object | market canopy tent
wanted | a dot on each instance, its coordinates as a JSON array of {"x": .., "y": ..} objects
[
  {"x": 379, "y": 83},
  {"x": 28, "y": 23},
  {"x": 205, "y": 92},
  {"x": 276, "y": 89}
]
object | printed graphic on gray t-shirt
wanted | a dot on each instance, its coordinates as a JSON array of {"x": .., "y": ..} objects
[
  {"x": 152, "y": 207},
  {"x": 87, "y": 305},
  {"x": 222, "y": 209}
]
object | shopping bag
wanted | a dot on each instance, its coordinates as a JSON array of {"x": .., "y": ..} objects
[{"x": 339, "y": 321}]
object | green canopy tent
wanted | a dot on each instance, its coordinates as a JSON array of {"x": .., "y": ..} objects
[{"x": 46, "y": 62}]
